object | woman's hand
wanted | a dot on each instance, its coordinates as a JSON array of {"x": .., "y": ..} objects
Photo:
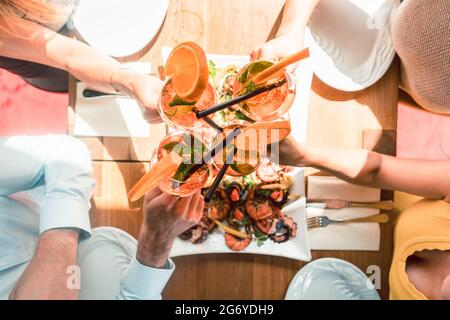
[
  {"x": 146, "y": 89},
  {"x": 278, "y": 48},
  {"x": 165, "y": 217},
  {"x": 287, "y": 152}
]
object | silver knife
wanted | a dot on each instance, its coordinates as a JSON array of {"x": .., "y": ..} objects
[{"x": 340, "y": 204}]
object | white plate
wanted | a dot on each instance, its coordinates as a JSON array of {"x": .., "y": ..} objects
[
  {"x": 295, "y": 248},
  {"x": 350, "y": 42},
  {"x": 331, "y": 279},
  {"x": 118, "y": 27}
]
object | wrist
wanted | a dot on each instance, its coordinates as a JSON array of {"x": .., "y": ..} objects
[
  {"x": 123, "y": 80},
  {"x": 305, "y": 158},
  {"x": 294, "y": 32},
  {"x": 60, "y": 237},
  {"x": 153, "y": 248}
]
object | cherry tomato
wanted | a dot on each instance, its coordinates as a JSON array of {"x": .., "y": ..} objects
[{"x": 234, "y": 195}]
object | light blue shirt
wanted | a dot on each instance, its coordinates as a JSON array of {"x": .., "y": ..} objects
[{"x": 46, "y": 183}]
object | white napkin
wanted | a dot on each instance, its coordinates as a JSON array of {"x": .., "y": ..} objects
[
  {"x": 111, "y": 116},
  {"x": 354, "y": 236}
]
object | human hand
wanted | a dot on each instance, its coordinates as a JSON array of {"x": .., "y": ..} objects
[
  {"x": 147, "y": 89},
  {"x": 278, "y": 48},
  {"x": 287, "y": 152},
  {"x": 165, "y": 217}
]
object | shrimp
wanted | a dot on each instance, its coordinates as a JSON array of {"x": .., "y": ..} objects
[
  {"x": 220, "y": 205},
  {"x": 236, "y": 243},
  {"x": 259, "y": 208}
]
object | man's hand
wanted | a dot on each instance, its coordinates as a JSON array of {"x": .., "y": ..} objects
[
  {"x": 279, "y": 48},
  {"x": 165, "y": 217},
  {"x": 46, "y": 276}
]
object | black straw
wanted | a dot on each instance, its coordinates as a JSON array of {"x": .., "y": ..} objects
[
  {"x": 217, "y": 148},
  {"x": 213, "y": 125},
  {"x": 219, "y": 176},
  {"x": 229, "y": 103}
]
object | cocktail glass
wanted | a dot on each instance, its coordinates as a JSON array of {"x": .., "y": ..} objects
[
  {"x": 178, "y": 113},
  {"x": 245, "y": 161},
  {"x": 267, "y": 106},
  {"x": 191, "y": 147}
]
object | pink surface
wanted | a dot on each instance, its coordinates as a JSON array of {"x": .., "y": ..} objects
[
  {"x": 420, "y": 133},
  {"x": 25, "y": 109}
]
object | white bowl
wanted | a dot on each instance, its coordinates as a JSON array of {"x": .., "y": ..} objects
[{"x": 350, "y": 42}]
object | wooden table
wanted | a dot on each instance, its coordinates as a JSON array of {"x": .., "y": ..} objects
[{"x": 335, "y": 119}]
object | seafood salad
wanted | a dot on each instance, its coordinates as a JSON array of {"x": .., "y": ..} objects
[
  {"x": 223, "y": 80},
  {"x": 248, "y": 209}
]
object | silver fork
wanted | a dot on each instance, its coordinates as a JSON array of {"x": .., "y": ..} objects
[{"x": 323, "y": 221}]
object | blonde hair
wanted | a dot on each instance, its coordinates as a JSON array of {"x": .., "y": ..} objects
[{"x": 14, "y": 13}]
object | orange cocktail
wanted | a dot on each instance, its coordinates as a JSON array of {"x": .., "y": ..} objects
[
  {"x": 191, "y": 147},
  {"x": 181, "y": 114},
  {"x": 244, "y": 161},
  {"x": 267, "y": 106}
]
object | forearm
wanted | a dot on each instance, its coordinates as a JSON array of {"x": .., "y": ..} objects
[
  {"x": 358, "y": 166},
  {"x": 426, "y": 178},
  {"x": 97, "y": 69},
  {"x": 44, "y": 46},
  {"x": 296, "y": 15},
  {"x": 46, "y": 277}
]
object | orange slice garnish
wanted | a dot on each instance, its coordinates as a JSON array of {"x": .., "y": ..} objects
[
  {"x": 167, "y": 166},
  {"x": 187, "y": 68},
  {"x": 260, "y": 134}
]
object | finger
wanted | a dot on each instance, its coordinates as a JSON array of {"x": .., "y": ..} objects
[
  {"x": 152, "y": 194},
  {"x": 268, "y": 53},
  {"x": 152, "y": 117},
  {"x": 196, "y": 198},
  {"x": 184, "y": 204},
  {"x": 199, "y": 209},
  {"x": 169, "y": 201},
  {"x": 255, "y": 54}
]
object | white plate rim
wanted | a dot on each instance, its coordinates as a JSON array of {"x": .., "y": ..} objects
[
  {"x": 147, "y": 34},
  {"x": 289, "y": 292}
]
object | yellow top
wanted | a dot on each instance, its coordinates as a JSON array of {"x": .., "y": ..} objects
[{"x": 423, "y": 226}]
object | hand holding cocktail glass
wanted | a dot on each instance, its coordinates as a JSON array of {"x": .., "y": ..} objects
[{"x": 182, "y": 167}]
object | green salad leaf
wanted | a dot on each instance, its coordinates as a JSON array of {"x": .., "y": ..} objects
[
  {"x": 240, "y": 116},
  {"x": 248, "y": 181},
  {"x": 177, "y": 101},
  {"x": 212, "y": 69},
  {"x": 183, "y": 169},
  {"x": 244, "y": 76},
  {"x": 260, "y": 237},
  {"x": 259, "y": 66}
]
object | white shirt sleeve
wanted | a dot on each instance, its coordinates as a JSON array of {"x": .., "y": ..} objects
[
  {"x": 59, "y": 162},
  {"x": 145, "y": 283}
]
